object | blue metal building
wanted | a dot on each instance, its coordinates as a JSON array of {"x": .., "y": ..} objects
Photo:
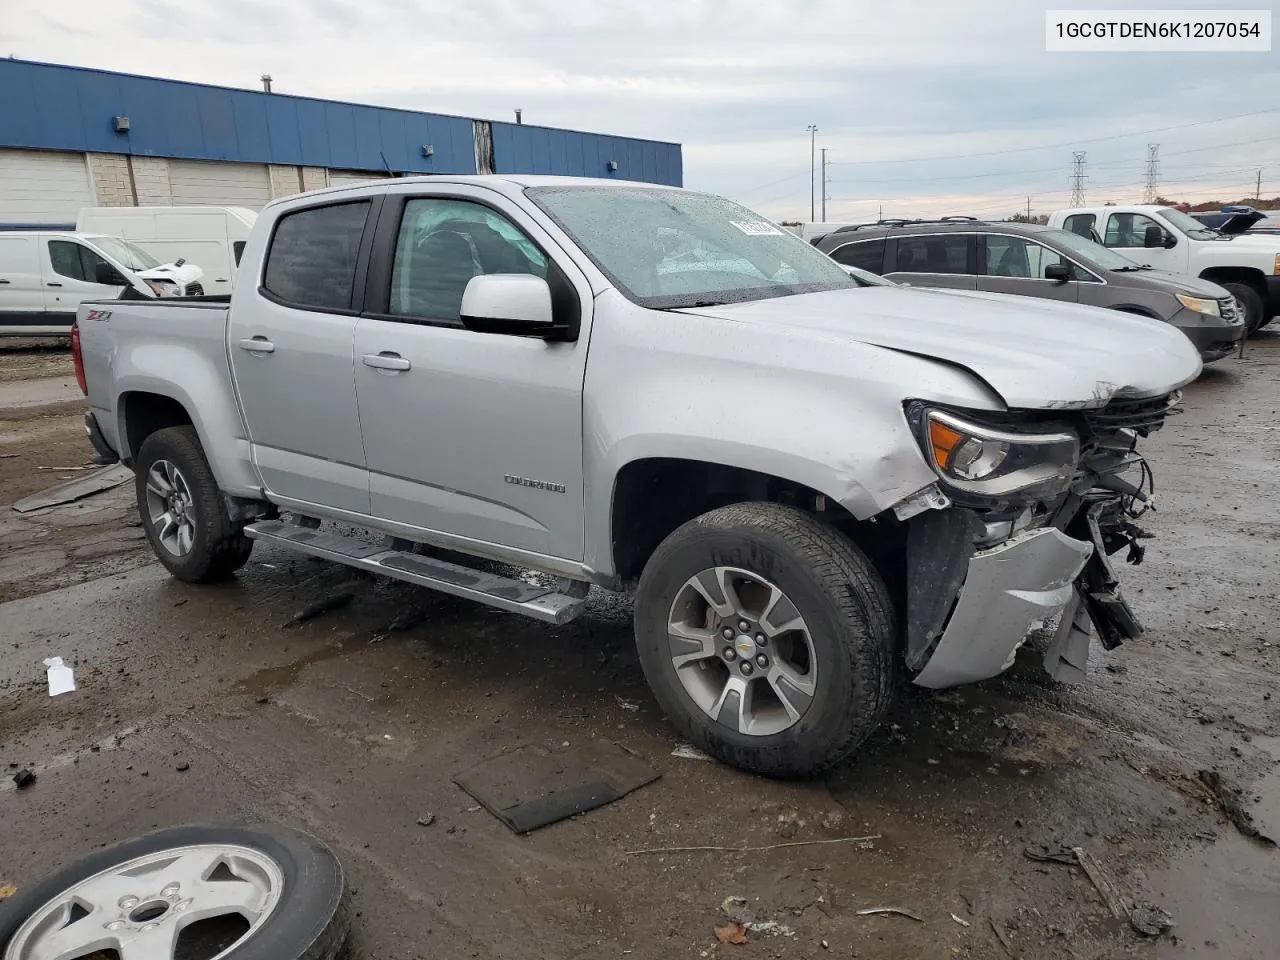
[{"x": 72, "y": 137}]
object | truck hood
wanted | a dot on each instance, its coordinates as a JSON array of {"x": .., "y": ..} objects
[
  {"x": 1036, "y": 354},
  {"x": 1240, "y": 222},
  {"x": 1260, "y": 243},
  {"x": 181, "y": 274}
]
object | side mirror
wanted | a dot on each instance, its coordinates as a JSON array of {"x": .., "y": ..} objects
[
  {"x": 1153, "y": 236},
  {"x": 1057, "y": 272},
  {"x": 517, "y": 304},
  {"x": 105, "y": 273}
]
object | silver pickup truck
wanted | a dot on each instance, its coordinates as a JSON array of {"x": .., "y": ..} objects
[{"x": 815, "y": 484}]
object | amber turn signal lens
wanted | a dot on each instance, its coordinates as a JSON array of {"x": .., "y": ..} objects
[{"x": 944, "y": 441}]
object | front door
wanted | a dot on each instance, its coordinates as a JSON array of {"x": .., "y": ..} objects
[
  {"x": 74, "y": 273},
  {"x": 475, "y": 435},
  {"x": 290, "y": 346},
  {"x": 1016, "y": 265},
  {"x": 1127, "y": 234}
]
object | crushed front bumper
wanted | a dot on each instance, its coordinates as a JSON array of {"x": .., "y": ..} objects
[
  {"x": 1007, "y": 589},
  {"x": 970, "y": 610}
]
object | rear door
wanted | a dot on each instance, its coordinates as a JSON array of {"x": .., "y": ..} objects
[
  {"x": 21, "y": 292},
  {"x": 935, "y": 260},
  {"x": 475, "y": 435},
  {"x": 1016, "y": 265},
  {"x": 71, "y": 272},
  {"x": 290, "y": 346}
]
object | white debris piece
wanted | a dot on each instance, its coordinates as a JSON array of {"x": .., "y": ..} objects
[
  {"x": 963, "y": 923},
  {"x": 61, "y": 678},
  {"x": 687, "y": 751}
]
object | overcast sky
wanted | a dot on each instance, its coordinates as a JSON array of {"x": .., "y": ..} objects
[{"x": 904, "y": 92}]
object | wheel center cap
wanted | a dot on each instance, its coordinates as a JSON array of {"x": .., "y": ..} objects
[{"x": 745, "y": 646}]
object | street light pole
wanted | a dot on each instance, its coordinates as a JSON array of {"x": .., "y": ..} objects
[
  {"x": 824, "y": 184},
  {"x": 813, "y": 162}
]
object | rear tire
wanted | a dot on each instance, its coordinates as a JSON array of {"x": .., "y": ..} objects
[
  {"x": 182, "y": 509},
  {"x": 845, "y": 664},
  {"x": 1250, "y": 305}
]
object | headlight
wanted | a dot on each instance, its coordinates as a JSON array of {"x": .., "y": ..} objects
[
  {"x": 990, "y": 462},
  {"x": 162, "y": 288},
  {"x": 1277, "y": 265},
  {"x": 1200, "y": 304}
]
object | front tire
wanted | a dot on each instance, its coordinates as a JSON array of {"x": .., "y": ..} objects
[
  {"x": 1249, "y": 303},
  {"x": 811, "y": 676},
  {"x": 182, "y": 510}
]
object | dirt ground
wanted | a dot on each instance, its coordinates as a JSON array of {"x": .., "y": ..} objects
[{"x": 351, "y": 726}]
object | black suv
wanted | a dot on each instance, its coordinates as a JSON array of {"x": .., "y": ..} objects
[{"x": 1034, "y": 261}]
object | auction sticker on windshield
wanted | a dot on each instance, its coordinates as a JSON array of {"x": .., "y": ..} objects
[{"x": 757, "y": 228}]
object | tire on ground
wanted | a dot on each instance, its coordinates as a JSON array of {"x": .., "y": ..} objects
[
  {"x": 1249, "y": 300},
  {"x": 311, "y": 921},
  {"x": 219, "y": 548},
  {"x": 837, "y": 591}
]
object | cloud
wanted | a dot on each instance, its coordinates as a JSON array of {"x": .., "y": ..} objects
[{"x": 894, "y": 87}]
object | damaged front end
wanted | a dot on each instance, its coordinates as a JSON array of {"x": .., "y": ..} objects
[{"x": 1019, "y": 530}]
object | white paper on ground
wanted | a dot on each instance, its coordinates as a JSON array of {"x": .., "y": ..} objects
[{"x": 61, "y": 678}]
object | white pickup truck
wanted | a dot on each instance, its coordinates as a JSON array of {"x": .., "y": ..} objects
[
  {"x": 1168, "y": 239},
  {"x": 814, "y": 483}
]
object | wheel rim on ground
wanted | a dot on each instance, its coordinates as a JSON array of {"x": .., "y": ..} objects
[
  {"x": 139, "y": 908},
  {"x": 742, "y": 651},
  {"x": 171, "y": 508}
]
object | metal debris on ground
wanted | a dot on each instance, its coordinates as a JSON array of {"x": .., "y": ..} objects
[
  {"x": 61, "y": 677},
  {"x": 1150, "y": 920},
  {"x": 897, "y": 911},
  {"x": 1062, "y": 855},
  {"x": 731, "y": 932},
  {"x": 334, "y": 601},
  {"x": 427, "y": 821},
  {"x": 23, "y": 779},
  {"x": 106, "y": 478},
  {"x": 628, "y": 705},
  {"x": 963, "y": 923},
  {"x": 1229, "y": 800},
  {"x": 864, "y": 843}
]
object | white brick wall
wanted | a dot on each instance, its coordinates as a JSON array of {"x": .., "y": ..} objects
[
  {"x": 112, "y": 186},
  {"x": 285, "y": 181},
  {"x": 151, "y": 181},
  {"x": 314, "y": 178}
]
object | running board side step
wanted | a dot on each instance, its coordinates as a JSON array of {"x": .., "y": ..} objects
[{"x": 515, "y": 596}]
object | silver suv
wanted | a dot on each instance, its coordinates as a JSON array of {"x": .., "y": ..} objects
[{"x": 1035, "y": 261}]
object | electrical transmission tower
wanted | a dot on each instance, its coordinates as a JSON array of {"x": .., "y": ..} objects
[
  {"x": 1077, "y": 178},
  {"x": 1153, "y": 173}
]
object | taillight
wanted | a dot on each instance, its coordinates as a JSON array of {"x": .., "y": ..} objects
[{"x": 77, "y": 359}]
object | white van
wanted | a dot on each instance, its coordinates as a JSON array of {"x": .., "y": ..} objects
[
  {"x": 45, "y": 274},
  {"x": 213, "y": 237}
]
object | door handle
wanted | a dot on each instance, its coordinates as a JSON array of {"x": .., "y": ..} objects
[
  {"x": 53, "y": 284},
  {"x": 4, "y": 281},
  {"x": 257, "y": 345},
  {"x": 386, "y": 361}
]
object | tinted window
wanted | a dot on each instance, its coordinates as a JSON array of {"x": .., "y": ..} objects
[
  {"x": 443, "y": 244},
  {"x": 1081, "y": 223},
  {"x": 237, "y": 250},
  {"x": 947, "y": 253},
  {"x": 1128, "y": 230},
  {"x": 312, "y": 259},
  {"x": 78, "y": 262},
  {"x": 65, "y": 257},
  {"x": 1019, "y": 257},
  {"x": 867, "y": 254}
]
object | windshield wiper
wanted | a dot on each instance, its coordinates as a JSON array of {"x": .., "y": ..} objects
[
  {"x": 696, "y": 304},
  {"x": 1130, "y": 268}
]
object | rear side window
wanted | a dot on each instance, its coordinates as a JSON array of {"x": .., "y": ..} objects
[
  {"x": 945, "y": 253},
  {"x": 311, "y": 262},
  {"x": 867, "y": 254},
  {"x": 1081, "y": 223}
]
